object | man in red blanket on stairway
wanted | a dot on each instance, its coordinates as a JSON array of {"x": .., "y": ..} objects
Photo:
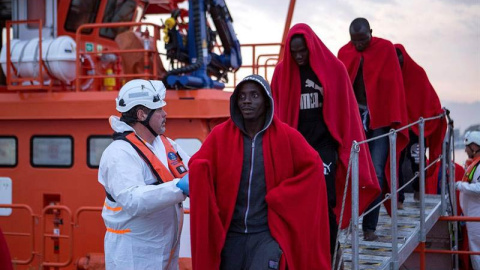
[
  {"x": 422, "y": 101},
  {"x": 377, "y": 81},
  {"x": 257, "y": 191},
  {"x": 313, "y": 94}
]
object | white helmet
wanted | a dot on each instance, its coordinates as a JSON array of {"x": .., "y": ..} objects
[
  {"x": 150, "y": 94},
  {"x": 472, "y": 137}
]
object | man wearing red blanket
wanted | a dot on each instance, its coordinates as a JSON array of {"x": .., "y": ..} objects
[
  {"x": 422, "y": 101},
  {"x": 378, "y": 85},
  {"x": 257, "y": 191},
  {"x": 313, "y": 93}
]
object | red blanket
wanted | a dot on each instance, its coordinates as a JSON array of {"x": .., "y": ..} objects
[
  {"x": 422, "y": 101},
  {"x": 384, "y": 88},
  {"x": 340, "y": 113},
  {"x": 296, "y": 196},
  {"x": 5, "y": 259}
]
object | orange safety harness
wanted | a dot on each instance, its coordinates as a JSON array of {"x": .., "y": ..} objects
[
  {"x": 471, "y": 169},
  {"x": 176, "y": 168},
  {"x": 162, "y": 174}
]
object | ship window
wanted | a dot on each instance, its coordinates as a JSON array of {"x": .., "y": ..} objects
[
  {"x": 81, "y": 12},
  {"x": 189, "y": 145},
  {"x": 117, "y": 11},
  {"x": 52, "y": 151},
  {"x": 95, "y": 146},
  {"x": 8, "y": 151},
  {"x": 35, "y": 11}
]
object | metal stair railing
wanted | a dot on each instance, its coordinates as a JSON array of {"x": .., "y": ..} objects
[{"x": 394, "y": 261}]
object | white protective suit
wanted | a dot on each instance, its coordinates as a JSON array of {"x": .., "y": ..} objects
[
  {"x": 470, "y": 203},
  {"x": 145, "y": 222}
]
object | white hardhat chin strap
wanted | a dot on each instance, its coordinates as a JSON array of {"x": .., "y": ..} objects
[{"x": 146, "y": 122}]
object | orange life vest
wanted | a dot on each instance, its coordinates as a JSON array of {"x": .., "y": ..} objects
[
  {"x": 175, "y": 164},
  {"x": 470, "y": 171},
  {"x": 161, "y": 173}
]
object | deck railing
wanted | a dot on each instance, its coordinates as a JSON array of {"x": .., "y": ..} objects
[
  {"x": 448, "y": 211},
  {"x": 30, "y": 234},
  {"x": 62, "y": 231},
  {"x": 258, "y": 58}
]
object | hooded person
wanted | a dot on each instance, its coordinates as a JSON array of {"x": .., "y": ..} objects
[
  {"x": 376, "y": 77},
  {"x": 145, "y": 182},
  {"x": 422, "y": 101},
  {"x": 258, "y": 195},
  {"x": 309, "y": 87}
]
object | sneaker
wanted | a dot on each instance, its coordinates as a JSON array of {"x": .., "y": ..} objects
[
  {"x": 370, "y": 236},
  {"x": 400, "y": 206}
]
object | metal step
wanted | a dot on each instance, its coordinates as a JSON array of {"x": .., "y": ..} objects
[{"x": 378, "y": 254}]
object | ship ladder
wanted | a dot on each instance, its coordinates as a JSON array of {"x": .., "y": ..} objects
[{"x": 407, "y": 228}]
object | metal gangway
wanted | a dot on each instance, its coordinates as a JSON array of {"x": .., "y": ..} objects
[{"x": 406, "y": 229}]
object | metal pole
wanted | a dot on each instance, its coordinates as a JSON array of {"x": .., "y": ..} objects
[
  {"x": 444, "y": 172},
  {"x": 421, "y": 140},
  {"x": 422, "y": 255},
  {"x": 393, "y": 198},
  {"x": 355, "y": 241},
  {"x": 451, "y": 179}
]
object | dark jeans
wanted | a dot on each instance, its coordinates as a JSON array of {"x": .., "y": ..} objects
[
  {"x": 411, "y": 156},
  {"x": 250, "y": 251},
  {"x": 329, "y": 156},
  {"x": 379, "y": 150}
]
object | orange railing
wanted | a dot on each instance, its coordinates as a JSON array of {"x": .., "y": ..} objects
[
  {"x": 71, "y": 222},
  {"x": 422, "y": 250},
  {"x": 56, "y": 236},
  {"x": 30, "y": 234},
  {"x": 257, "y": 51},
  {"x": 76, "y": 217},
  {"x": 263, "y": 56},
  {"x": 260, "y": 54},
  {"x": 15, "y": 83},
  {"x": 82, "y": 54}
]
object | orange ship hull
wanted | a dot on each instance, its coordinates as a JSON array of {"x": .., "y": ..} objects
[{"x": 191, "y": 114}]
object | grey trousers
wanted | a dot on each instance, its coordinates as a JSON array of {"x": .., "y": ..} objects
[{"x": 251, "y": 251}]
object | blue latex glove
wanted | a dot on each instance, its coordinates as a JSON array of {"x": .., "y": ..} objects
[{"x": 183, "y": 184}]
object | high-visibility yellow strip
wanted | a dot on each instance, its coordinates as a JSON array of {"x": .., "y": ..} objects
[
  {"x": 470, "y": 176},
  {"x": 112, "y": 208},
  {"x": 118, "y": 231}
]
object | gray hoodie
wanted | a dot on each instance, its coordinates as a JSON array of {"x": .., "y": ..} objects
[{"x": 250, "y": 214}]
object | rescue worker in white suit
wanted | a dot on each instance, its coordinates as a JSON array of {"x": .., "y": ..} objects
[
  {"x": 469, "y": 189},
  {"x": 145, "y": 176}
]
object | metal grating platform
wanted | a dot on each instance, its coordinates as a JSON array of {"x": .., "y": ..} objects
[{"x": 378, "y": 254}]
